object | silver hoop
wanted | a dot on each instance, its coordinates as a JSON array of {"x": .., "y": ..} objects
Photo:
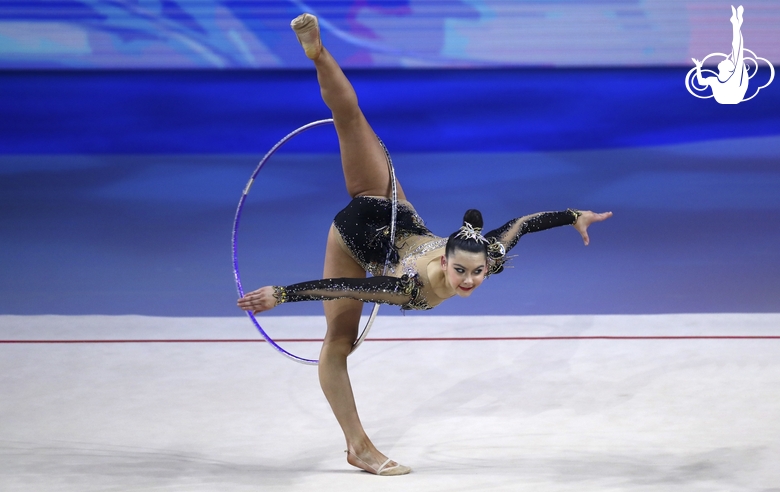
[{"x": 394, "y": 210}]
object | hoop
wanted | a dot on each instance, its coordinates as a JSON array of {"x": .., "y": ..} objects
[{"x": 394, "y": 209}]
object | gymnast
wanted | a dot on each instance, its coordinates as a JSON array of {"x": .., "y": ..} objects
[{"x": 424, "y": 270}]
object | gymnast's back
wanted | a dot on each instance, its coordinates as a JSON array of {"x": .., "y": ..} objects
[{"x": 363, "y": 228}]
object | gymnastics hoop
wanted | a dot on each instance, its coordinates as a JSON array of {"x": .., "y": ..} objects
[{"x": 394, "y": 211}]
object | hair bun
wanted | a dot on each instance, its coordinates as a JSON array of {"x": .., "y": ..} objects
[
  {"x": 473, "y": 217},
  {"x": 468, "y": 237}
]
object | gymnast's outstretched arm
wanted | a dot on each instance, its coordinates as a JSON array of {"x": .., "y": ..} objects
[
  {"x": 512, "y": 231},
  {"x": 385, "y": 290}
]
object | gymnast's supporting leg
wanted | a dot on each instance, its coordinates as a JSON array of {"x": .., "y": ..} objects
[
  {"x": 343, "y": 318},
  {"x": 362, "y": 158},
  {"x": 366, "y": 174}
]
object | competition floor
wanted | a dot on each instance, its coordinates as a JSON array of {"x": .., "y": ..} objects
[{"x": 543, "y": 403}]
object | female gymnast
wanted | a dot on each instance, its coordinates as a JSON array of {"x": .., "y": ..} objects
[{"x": 424, "y": 269}]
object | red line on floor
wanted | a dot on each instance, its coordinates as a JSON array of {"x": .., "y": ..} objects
[{"x": 420, "y": 339}]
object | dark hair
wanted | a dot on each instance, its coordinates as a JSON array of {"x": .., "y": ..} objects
[{"x": 474, "y": 218}]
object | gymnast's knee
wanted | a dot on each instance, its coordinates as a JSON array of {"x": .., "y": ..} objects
[{"x": 338, "y": 347}]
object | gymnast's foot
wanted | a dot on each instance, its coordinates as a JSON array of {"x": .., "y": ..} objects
[
  {"x": 308, "y": 32},
  {"x": 368, "y": 461}
]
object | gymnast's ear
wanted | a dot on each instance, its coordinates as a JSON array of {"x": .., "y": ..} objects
[{"x": 443, "y": 262}]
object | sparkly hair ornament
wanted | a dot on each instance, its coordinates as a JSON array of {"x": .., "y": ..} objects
[
  {"x": 468, "y": 237},
  {"x": 471, "y": 233}
]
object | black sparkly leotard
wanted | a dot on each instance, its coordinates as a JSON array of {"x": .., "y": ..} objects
[{"x": 363, "y": 230}]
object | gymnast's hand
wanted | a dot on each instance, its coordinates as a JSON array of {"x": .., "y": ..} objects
[
  {"x": 586, "y": 219},
  {"x": 259, "y": 300}
]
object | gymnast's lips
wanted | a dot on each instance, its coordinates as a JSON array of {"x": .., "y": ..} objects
[{"x": 466, "y": 288}]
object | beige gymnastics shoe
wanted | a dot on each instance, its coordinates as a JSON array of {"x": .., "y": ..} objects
[
  {"x": 308, "y": 32},
  {"x": 388, "y": 468}
]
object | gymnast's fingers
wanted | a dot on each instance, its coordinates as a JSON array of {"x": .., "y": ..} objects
[
  {"x": 247, "y": 302},
  {"x": 244, "y": 304},
  {"x": 585, "y": 238},
  {"x": 244, "y": 300},
  {"x": 258, "y": 301},
  {"x": 255, "y": 307},
  {"x": 602, "y": 216}
]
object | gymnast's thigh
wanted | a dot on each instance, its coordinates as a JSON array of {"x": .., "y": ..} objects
[{"x": 342, "y": 315}]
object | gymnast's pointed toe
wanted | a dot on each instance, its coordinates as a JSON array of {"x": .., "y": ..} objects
[
  {"x": 307, "y": 30},
  {"x": 387, "y": 469}
]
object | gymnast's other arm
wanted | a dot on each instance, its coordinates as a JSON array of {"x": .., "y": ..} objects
[
  {"x": 512, "y": 231},
  {"x": 386, "y": 290}
]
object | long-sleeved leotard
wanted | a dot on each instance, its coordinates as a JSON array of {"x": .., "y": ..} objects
[
  {"x": 407, "y": 284},
  {"x": 401, "y": 291},
  {"x": 510, "y": 233}
]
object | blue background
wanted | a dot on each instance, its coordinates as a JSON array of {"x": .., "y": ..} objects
[{"x": 118, "y": 188}]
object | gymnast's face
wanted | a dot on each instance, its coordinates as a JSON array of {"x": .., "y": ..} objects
[{"x": 464, "y": 271}]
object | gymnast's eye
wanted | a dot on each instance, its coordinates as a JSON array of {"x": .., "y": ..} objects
[{"x": 460, "y": 270}]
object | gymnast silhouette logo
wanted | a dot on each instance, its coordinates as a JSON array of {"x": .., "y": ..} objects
[{"x": 730, "y": 84}]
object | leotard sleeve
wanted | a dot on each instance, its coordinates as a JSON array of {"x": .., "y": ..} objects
[
  {"x": 505, "y": 237},
  {"x": 403, "y": 291}
]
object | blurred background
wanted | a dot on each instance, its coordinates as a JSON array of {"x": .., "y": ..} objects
[{"x": 130, "y": 128}]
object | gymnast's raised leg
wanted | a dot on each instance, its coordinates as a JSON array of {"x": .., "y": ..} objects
[{"x": 365, "y": 174}]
